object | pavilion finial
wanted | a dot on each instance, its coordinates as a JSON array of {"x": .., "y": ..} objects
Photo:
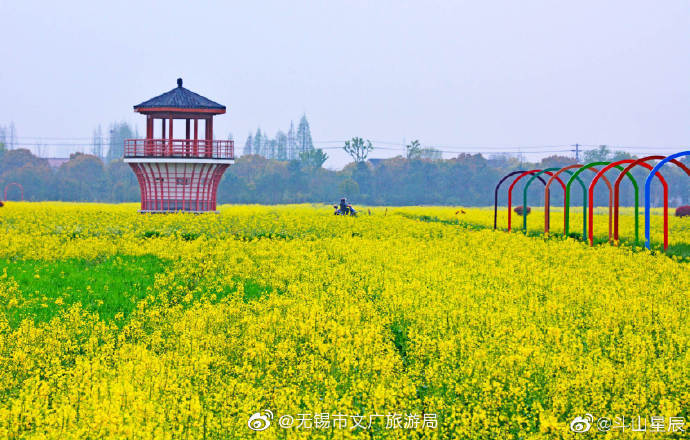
[{"x": 179, "y": 82}]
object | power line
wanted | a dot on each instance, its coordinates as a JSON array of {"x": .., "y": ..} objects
[
  {"x": 31, "y": 144},
  {"x": 465, "y": 151},
  {"x": 640, "y": 147},
  {"x": 30, "y": 140},
  {"x": 460, "y": 148},
  {"x": 40, "y": 138},
  {"x": 78, "y": 143}
]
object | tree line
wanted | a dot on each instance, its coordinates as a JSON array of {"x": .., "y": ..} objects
[
  {"x": 413, "y": 179},
  {"x": 284, "y": 146}
]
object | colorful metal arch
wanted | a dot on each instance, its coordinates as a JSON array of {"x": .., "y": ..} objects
[
  {"x": 549, "y": 172},
  {"x": 584, "y": 214},
  {"x": 510, "y": 193},
  {"x": 616, "y": 191},
  {"x": 11, "y": 184},
  {"x": 547, "y": 196},
  {"x": 663, "y": 181},
  {"x": 547, "y": 199},
  {"x": 647, "y": 198},
  {"x": 498, "y": 185},
  {"x": 590, "y": 197}
]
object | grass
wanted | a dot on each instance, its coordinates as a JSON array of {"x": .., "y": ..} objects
[
  {"x": 107, "y": 287},
  {"x": 110, "y": 287},
  {"x": 254, "y": 290}
]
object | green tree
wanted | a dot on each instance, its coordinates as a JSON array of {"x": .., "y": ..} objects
[
  {"x": 358, "y": 149},
  {"x": 248, "y": 146},
  {"x": 31, "y": 172},
  {"x": 8, "y": 136},
  {"x": 258, "y": 143},
  {"x": 82, "y": 178},
  {"x": 281, "y": 146},
  {"x": 292, "y": 153},
  {"x": 601, "y": 154},
  {"x": 430, "y": 154},
  {"x": 621, "y": 155},
  {"x": 121, "y": 183},
  {"x": 556, "y": 161},
  {"x": 304, "y": 141},
  {"x": 270, "y": 150},
  {"x": 97, "y": 142},
  {"x": 348, "y": 188},
  {"x": 37, "y": 180},
  {"x": 118, "y": 133},
  {"x": 13, "y": 159},
  {"x": 313, "y": 158}
]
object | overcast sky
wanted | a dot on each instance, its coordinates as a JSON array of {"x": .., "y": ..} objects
[{"x": 479, "y": 75}]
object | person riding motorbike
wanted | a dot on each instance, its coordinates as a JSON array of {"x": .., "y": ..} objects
[{"x": 344, "y": 208}]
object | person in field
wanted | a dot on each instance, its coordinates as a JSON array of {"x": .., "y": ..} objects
[{"x": 344, "y": 208}]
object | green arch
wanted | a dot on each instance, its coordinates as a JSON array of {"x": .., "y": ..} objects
[
  {"x": 529, "y": 182},
  {"x": 584, "y": 212}
]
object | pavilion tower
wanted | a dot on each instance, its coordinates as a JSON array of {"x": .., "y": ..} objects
[{"x": 179, "y": 174}]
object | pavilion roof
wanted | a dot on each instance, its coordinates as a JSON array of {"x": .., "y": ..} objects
[{"x": 180, "y": 98}]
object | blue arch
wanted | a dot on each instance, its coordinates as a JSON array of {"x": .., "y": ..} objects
[{"x": 647, "y": 191}]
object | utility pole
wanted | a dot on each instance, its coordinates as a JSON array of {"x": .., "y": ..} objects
[
  {"x": 13, "y": 133},
  {"x": 577, "y": 152}
]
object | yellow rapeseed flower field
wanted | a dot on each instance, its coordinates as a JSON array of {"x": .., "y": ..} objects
[{"x": 417, "y": 322}]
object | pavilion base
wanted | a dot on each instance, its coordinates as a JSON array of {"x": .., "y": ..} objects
[
  {"x": 179, "y": 211},
  {"x": 178, "y": 186}
]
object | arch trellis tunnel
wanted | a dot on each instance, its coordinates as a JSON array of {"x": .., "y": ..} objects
[{"x": 599, "y": 168}]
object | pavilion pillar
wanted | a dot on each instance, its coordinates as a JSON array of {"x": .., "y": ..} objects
[
  {"x": 149, "y": 127},
  {"x": 187, "y": 136},
  {"x": 205, "y": 135},
  {"x": 161, "y": 147},
  {"x": 209, "y": 137},
  {"x": 148, "y": 144},
  {"x": 170, "y": 144},
  {"x": 196, "y": 137}
]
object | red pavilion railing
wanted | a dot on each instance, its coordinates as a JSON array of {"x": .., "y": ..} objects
[{"x": 204, "y": 149}]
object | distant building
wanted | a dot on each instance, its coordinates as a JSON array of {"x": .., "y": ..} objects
[
  {"x": 376, "y": 162},
  {"x": 56, "y": 162}
]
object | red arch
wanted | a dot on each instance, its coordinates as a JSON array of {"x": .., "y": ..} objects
[
  {"x": 11, "y": 184},
  {"x": 617, "y": 184},
  {"x": 593, "y": 184},
  {"x": 547, "y": 197},
  {"x": 512, "y": 185}
]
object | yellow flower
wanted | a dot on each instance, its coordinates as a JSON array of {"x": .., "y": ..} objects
[{"x": 294, "y": 310}]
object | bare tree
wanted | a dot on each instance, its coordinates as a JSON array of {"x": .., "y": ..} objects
[
  {"x": 40, "y": 150},
  {"x": 414, "y": 151},
  {"x": 358, "y": 149},
  {"x": 97, "y": 143}
]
